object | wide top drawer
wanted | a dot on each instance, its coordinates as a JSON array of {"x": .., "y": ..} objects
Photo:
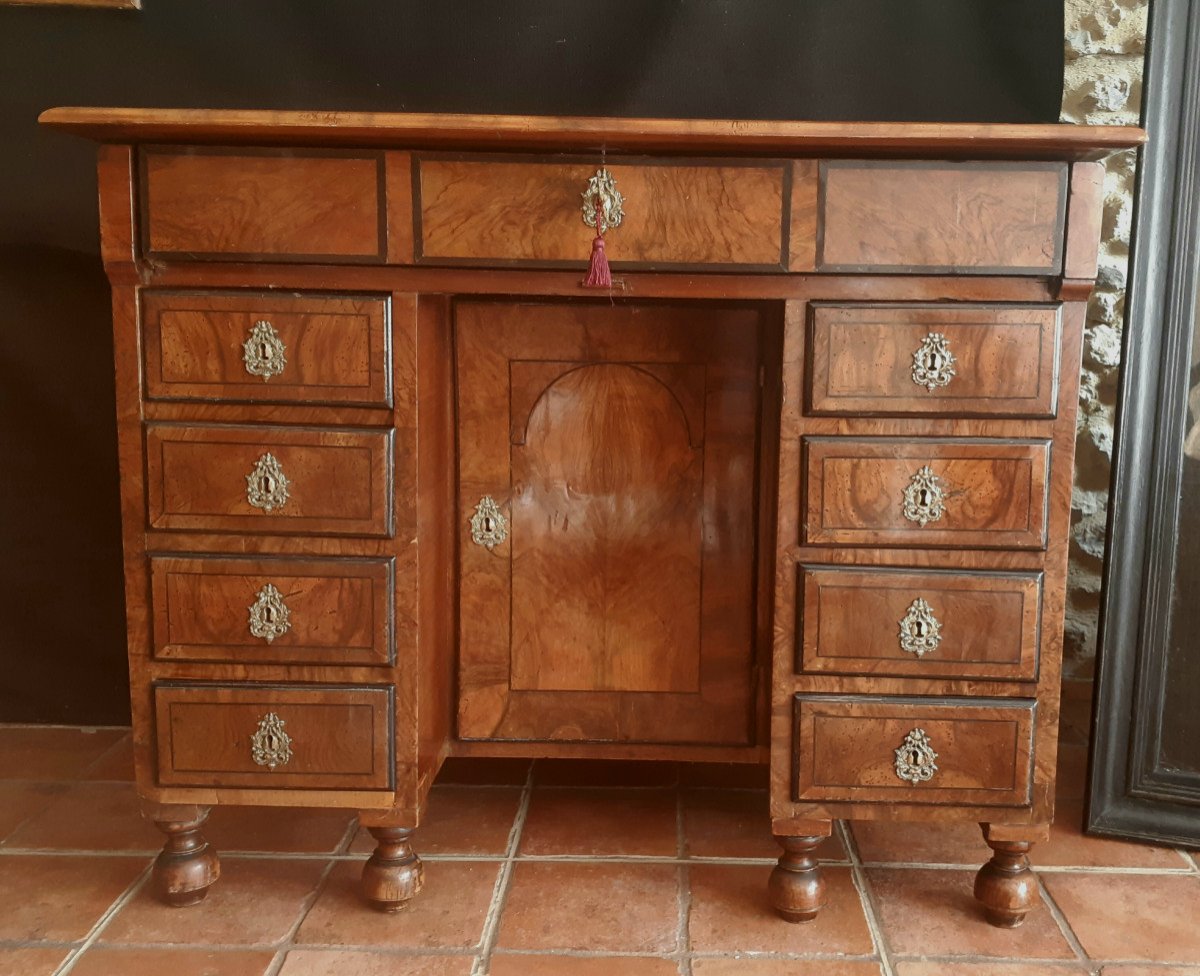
[
  {"x": 526, "y": 210},
  {"x": 263, "y": 204}
]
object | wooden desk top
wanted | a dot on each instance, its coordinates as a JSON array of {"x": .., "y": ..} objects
[{"x": 724, "y": 136}]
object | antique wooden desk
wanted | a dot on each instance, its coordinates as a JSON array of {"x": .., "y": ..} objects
[{"x": 793, "y": 489}]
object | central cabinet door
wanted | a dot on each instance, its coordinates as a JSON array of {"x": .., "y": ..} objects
[{"x": 612, "y": 596}]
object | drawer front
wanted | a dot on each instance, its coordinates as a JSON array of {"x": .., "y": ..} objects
[
  {"x": 269, "y": 479},
  {"x": 943, "y": 218},
  {"x": 272, "y": 611},
  {"x": 925, "y": 623},
  {"x": 974, "y": 360},
  {"x": 284, "y": 737},
  {"x": 907, "y": 750},
  {"x": 263, "y": 204},
  {"x": 938, "y": 492},
  {"x": 266, "y": 348},
  {"x": 521, "y": 211}
]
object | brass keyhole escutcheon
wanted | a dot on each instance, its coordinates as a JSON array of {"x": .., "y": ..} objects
[
  {"x": 263, "y": 352},
  {"x": 267, "y": 486},
  {"x": 933, "y": 362},
  {"x": 489, "y": 527}
]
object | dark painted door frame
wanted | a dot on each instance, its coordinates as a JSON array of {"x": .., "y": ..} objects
[{"x": 1133, "y": 792}]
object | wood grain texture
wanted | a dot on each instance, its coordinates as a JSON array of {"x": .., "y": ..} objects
[
  {"x": 523, "y": 211},
  {"x": 621, "y": 605},
  {"x": 398, "y": 182},
  {"x": 1005, "y": 360},
  {"x": 335, "y": 347},
  {"x": 952, "y": 218},
  {"x": 340, "y": 481},
  {"x": 804, "y": 219},
  {"x": 215, "y": 204},
  {"x": 341, "y": 738},
  {"x": 845, "y": 749},
  {"x": 564, "y": 133},
  {"x": 1084, "y": 218},
  {"x": 339, "y": 611},
  {"x": 850, "y": 622},
  {"x": 994, "y": 493}
]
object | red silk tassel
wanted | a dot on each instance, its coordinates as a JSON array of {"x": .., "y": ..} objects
[{"x": 599, "y": 275}]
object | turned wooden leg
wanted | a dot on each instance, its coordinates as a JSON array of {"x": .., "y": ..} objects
[
  {"x": 1005, "y": 885},
  {"x": 796, "y": 888},
  {"x": 187, "y": 866},
  {"x": 394, "y": 874}
]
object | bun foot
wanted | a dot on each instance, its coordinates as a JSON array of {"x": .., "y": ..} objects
[
  {"x": 796, "y": 888},
  {"x": 393, "y": 875},
  {"x": 1005, "y": 886},
  {"x": 187, "y": 866}
]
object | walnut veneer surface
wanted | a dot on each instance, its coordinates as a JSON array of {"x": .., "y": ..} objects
[{"x": 793, "y": 490}]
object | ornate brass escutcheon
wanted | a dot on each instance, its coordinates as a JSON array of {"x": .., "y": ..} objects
[
  {"x": 916, "y": 762},
  {"x": 933, "y": 363},
  {"x": 263, "y": 351},
  {"x": 267, "y": 486},
  {"x": 489, "y": 527},
  {"x": 270, "y": 746},
  {"x": 602, "y": 199},
  {"x": 269, "y": 615},
  {"x": 923, "y": 498},
  {"x": 920, "y": 630}
]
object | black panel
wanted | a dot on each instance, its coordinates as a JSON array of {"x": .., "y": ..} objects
[{"x": 1146, "y": 741}]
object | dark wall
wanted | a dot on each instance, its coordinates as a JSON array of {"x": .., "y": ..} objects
[{"x": 61, "y": 614}]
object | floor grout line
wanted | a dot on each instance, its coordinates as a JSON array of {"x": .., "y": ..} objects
[
  {"x": 491, "y": 922},
  {"x": 683, "y": 893},
  {"x": 289, "y": 941},
  {"x": 104, "y": 920},
  {"x": 1065, "y": 926},
  {"x": 866, "y": 897}
]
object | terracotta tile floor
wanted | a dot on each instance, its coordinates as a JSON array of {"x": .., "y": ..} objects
[{"x": 555, "y": 868}]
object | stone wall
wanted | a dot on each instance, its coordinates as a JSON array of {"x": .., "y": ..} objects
[{"x": 1105, "y": 47}]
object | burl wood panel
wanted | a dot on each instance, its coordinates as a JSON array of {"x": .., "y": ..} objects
[
  {"x": 951, "y": 218},
  {"x": 263, "y": 204},
  {"x": 339, "y": 480},
  {"x": 518, "y": 211},
  {"x": 993, "y": 492},
  {"x": 620, "y": 444},
  {"x": 339, "y": 610},
  {"x": 850, "y": 622},
  {"x": 845, "y": 749},
  {"x": 335, "y": 348},
  {"x": 341, "y": 737},
  {"x": 861, "y": 360}
]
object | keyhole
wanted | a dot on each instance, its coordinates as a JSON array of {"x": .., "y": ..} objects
[
  {"x": 914, "y": 758},
  {"x": 919, "y": 628},
  {"x": 268, "y": 484},
  {"x": 265, "y": 351},
  {"x": 488, "y": 526},
  {"x": 925, "y": 498},
  {"x": 933, "y": 361},
  {"x": 269, "y": 614}
]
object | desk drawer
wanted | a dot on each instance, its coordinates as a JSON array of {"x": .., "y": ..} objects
[
  {"x": 919, "y": 623},
  {"x": 284, "y": 737},
  {"x": 263, "y": 204},
  {"x": 932, "y": 217},
  {"x": 934, "y": 360},
  {"x": 266, "y": 348},
  {"x": 939, "y": 492},
  {"x": 908, "y": 750},
  {"x": 292, "y": 480},
  {"x": 528, "y": 211},
  {"x": 272, "y": 611}
]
